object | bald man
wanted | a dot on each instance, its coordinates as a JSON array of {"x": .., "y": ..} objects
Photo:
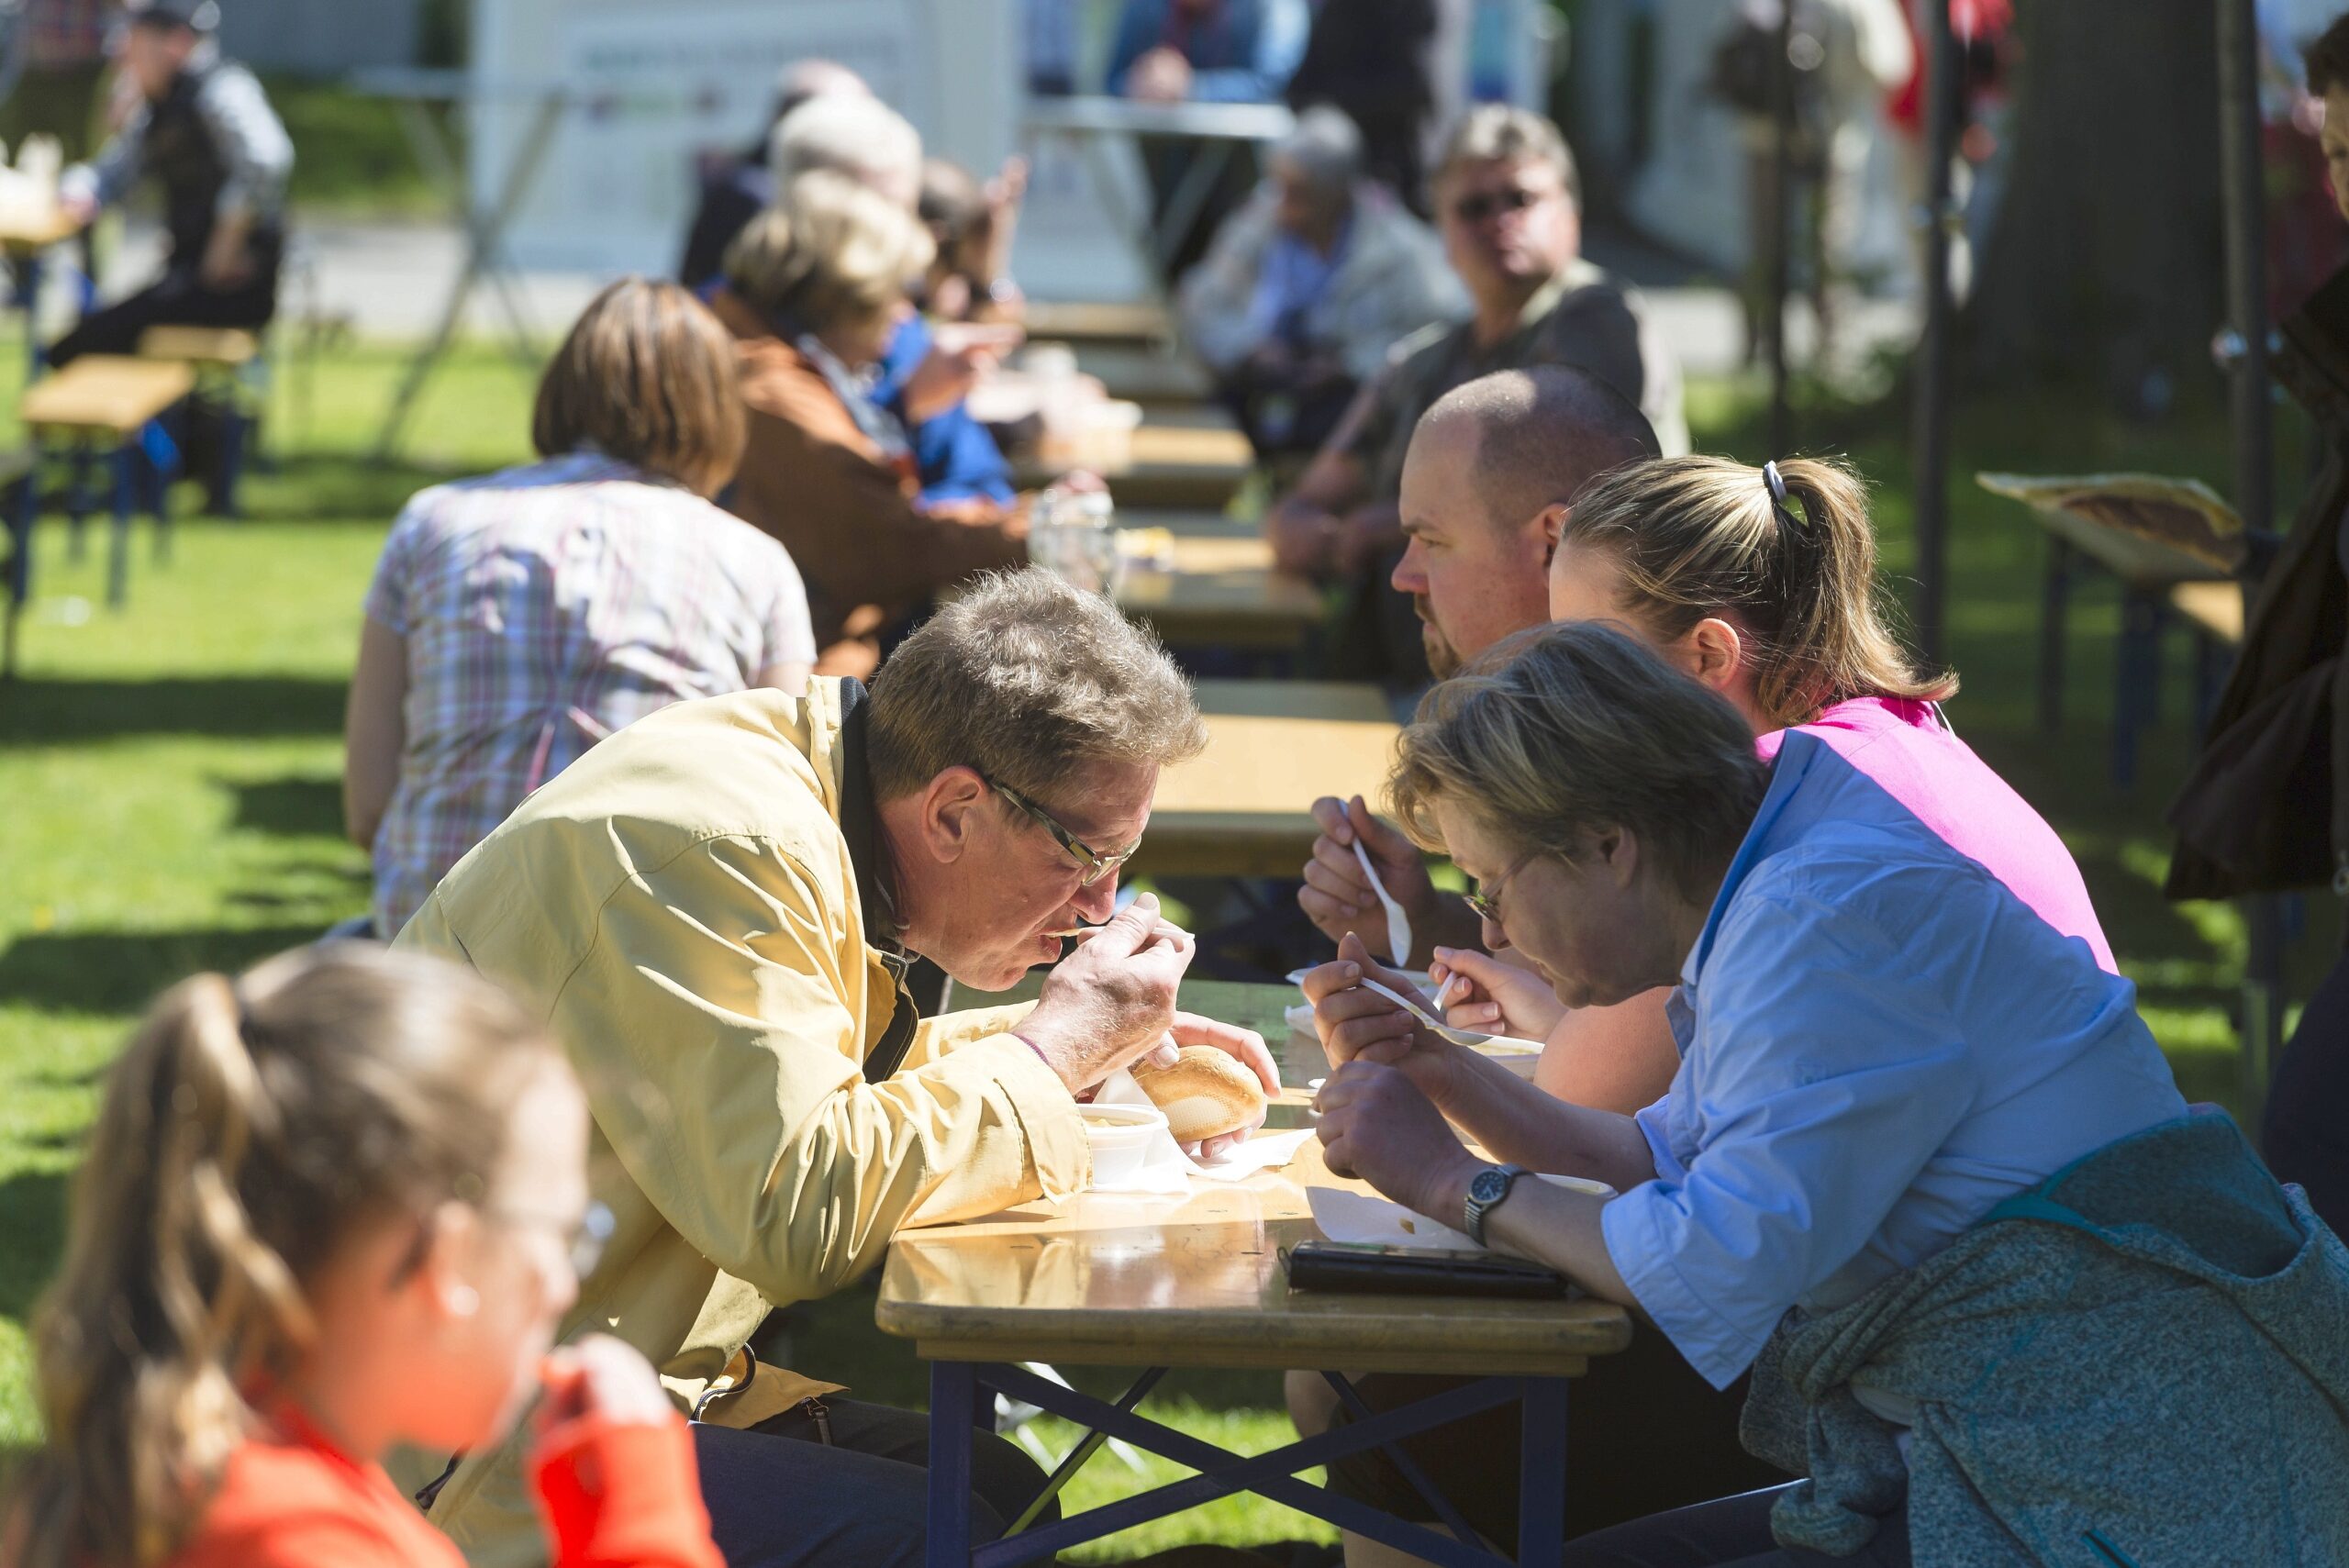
[{"x": 1492, "y": 468}]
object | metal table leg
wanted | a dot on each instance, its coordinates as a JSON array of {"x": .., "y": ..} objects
[
  {"x": 2053, "y": 602},
  {"x": 119, "y": 539},
  {"x": 954, "y": 1394},
  {"x": 1540, "y": 1475}
]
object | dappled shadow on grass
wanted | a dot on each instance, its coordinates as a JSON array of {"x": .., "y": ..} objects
[
  {"x": 296, "y": 806},
  {"x": 335, "y": 487},
  {"x": 33, "y": 1237},
  {"x": 55, "y": 713},
  {"x": 120, "y": 971}
]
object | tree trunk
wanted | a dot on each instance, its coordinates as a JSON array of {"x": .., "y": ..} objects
[{"x": 2106, "y": 263}]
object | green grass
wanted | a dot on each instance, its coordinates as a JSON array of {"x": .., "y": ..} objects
[{"x": 169, "y": 779}]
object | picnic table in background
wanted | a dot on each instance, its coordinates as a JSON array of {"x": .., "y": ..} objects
[
  {"x": 1205, "y": 580},
  {"x": 2154, "y": 536},
  {"x": 1196, "y": 1280},
  {"x": 1244, "y": 806},
  {"x": 1193, "y": 458}
]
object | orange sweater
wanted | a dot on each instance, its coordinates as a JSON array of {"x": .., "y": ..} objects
[{"x": 612, "y": 1497}]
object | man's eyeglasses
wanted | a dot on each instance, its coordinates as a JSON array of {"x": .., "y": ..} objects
[
  {"x": 1476, "y": 209},
  {"x": 1486, "y": 899},
  {"x": 1097, "y": 863}
]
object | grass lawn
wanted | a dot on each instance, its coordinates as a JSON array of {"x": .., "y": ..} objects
[{"x": 170, "y": 779}]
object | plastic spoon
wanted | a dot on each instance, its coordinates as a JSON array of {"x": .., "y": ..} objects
[
  {"x": 1398, "y": 925},
  {"x": 1418, "y": 1008}
]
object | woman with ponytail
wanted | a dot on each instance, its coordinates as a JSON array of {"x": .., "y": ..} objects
[
  {"x": 337, "y": 1205},
  {"x": 1761, "y": 583}
]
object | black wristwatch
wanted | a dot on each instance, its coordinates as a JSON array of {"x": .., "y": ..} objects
[{"x": 1486, "y": 1191}]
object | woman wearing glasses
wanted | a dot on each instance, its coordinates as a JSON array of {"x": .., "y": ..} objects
[
  {"x": 335, "y": 1204},
  {"x": 1923, "y": 1168}
]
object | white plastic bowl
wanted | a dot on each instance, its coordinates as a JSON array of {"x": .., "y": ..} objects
[{"x": 1121, "y": 1137}]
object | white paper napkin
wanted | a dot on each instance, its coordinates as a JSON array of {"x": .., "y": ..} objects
[
  {"x": 1346, "y": 1214},
  {"x": 1167, "y": 1169}
]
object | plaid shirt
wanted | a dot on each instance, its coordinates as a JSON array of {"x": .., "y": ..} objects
[{"x": 543, "y": 608}]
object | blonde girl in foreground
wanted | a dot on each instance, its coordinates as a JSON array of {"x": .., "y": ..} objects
[{"x": 335, "y": 1206}]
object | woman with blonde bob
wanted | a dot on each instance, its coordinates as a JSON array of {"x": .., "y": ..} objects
[
  {"x": 1921, "y": 1167},
  {"x": 515, "y": 620},
  {"x": 814, "y": 288},
  {"x": 333, "y": 1206}
]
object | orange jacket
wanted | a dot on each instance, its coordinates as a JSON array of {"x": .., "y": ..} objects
[
  {"x": 814, "y": 480},
  {"x": 611, "y": 1496}
]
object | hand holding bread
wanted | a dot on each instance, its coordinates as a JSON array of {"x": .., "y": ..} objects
[{"x": 1224, "y": 1071}]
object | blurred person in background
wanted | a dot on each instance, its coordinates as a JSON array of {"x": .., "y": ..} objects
[
  {"x": 975, "y": 226},
  {"x": 515, "y": 620},
  {"x": 815, "y": 291},
  {"x": 334, "y": 1206},
  {"x": 1203, "y": 51},
  {"x": 737, "y": 189},
  {"x": 1308, "y": 286},
  {"x": 923, "y": 375},
  {"x": 1509, "y": 202},
  {"x": 1374, "y": 60},
  {"x": 202, "y": 128},
  {"x": 2266, "y": 809}
]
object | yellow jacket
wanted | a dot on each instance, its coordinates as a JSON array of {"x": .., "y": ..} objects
[{"x": 681, "y": 905}]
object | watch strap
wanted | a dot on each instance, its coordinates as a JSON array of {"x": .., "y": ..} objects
[{"x": 1477, "y": 1211}]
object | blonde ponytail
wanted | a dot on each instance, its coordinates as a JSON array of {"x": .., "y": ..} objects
[
  {"x": 245, "y": 1132},
  {"x": 1700, "y": 537}
]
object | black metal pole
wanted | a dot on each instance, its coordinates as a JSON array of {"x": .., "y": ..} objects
[
  {"x": 1935, "y": 221},
  {"x": 1781, "y": 182},
  {"x": 2243, "y": 185}
]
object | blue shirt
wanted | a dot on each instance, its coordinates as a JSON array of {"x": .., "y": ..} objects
[
  {"x": 957, "y": 459},
  {"x": 1289, "y": 283},
  {"x": 1879, "y": 1041},
  {"x": 1241, "y": 52}
]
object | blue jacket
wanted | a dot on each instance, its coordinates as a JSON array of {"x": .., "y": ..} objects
[{"x": 958, "y": 460}]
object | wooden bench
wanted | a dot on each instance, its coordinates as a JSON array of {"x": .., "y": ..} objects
[
  {"x": 101, "y": 405},
  {"x": 1126, "y": 323},
  {"x": 1190, "y": 465},
  {"x": 2213, "y": 612},
  {"x": 220, "y": 357}
]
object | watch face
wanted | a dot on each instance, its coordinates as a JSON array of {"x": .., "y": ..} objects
[{"x": 1489, "y": 1185}]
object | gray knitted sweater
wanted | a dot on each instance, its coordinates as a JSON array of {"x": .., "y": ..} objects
[{"x": 2143, "y": 1363}]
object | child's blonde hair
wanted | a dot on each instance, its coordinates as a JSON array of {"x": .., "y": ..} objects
[{"x": 252, "y": 1126}]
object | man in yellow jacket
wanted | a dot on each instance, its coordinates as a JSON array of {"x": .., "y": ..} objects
[{"x": 715, "y": 908}]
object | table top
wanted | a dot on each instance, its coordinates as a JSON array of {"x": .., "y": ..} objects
[
  {"x": 22, "y": 233},
  {"x": 1221, "y": 590},
  {"x": 1243, "y": 807},
  {"x": 1196, "y": 1280},
  {"x": 1121, "y": 322},
  {"x": 199, "y": 345},
  {"x": 106, "y": 392},
  {"x": 2216, "y": 607},
  {"x": 1169, "y": 464},
  {"x": 1102, "y": 114}
]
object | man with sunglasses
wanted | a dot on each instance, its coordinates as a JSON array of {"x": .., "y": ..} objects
[
  {"x": 715, "y": 907},
  {"x": 1509, "y": 203}
]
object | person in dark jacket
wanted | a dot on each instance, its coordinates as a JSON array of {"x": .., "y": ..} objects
[
  {"x": 2266, "y": 806},
  {"x": 1374, "y": 59},
  {"x": 205, "y": 131}
]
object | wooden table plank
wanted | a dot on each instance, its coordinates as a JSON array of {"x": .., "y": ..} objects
[
  {"x": 1194, "y": 1279},
  {"x": 1136, "y": 322},
  {"x": 25, "y": 234},
  {"x": 1242, "y": 807},
  {"x": 1169, "y": 465},
  {"x": 2215, "y": 608},
  {"x": 1221, "y": 590},
  {"x": 227, "y": 346},
  {"x": 106, "y": 392}
]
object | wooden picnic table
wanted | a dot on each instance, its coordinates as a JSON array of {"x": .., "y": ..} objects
[
  {"x": 1183, "y": 464},
  {"x": 1219, "y": 589},
  {"x": 1244, "y": 806},
  {"x": 1196, "y": 1280},
  {"x": 1126, "y": 323}
]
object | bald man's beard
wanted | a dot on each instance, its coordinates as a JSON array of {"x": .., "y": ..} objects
[{"x": 1443, "y": 659}]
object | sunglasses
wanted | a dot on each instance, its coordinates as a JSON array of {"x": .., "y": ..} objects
[
  {"x": 1476, "y": 209},
  {"x": 1096, "y": 862},
  {"x": 1486, "y": 899}
]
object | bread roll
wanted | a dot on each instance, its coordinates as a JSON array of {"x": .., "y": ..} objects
[{"x": 1206, "y": 1094}]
